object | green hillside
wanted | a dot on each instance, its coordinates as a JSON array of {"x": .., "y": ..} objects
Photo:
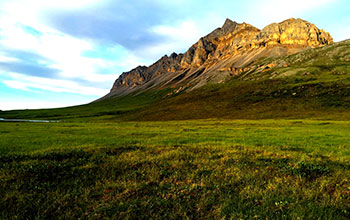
[{"x": 114, "y": 107}]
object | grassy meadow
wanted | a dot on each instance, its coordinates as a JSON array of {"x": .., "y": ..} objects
[{"x": 191, "y": 169}]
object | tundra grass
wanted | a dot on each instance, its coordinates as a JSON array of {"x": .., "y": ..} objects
[{"x": 199, "y": 169}]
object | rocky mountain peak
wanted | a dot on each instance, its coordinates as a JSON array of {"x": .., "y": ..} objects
[
  {"x": 226, "y": 51},
  {"x": 229, "y": 25},
  {"x": 173, "y": 55},
  {"x": 294, "y": 32}
]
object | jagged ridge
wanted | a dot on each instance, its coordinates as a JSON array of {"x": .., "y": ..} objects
[{"x": 227, "y": 51}]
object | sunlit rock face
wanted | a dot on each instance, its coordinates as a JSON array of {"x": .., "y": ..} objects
[
  {"x": 227, "y": 51},
  {"x": 293, "y": 32}
]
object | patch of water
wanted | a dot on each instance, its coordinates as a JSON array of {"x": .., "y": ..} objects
[{"x": 25, "y": 120}]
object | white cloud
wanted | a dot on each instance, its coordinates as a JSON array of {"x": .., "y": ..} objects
[
  {"x": 7, "y": 59},
  {"x": 65, "y": 54},
  {"x": 64, "y": 50},
  {"x": 187, "y": 30},
  {"x": 16, "y": 85},
  {"x": 30, "y": 12},
  {"x": 13, "y": 36},
  {"x": 36, "y": 104},
  {"x": 27, "y": 83},
  {"x": 60, "y": 51},
  {"x": 178, "y": 38},
  {"x": 181, "y": 36}
]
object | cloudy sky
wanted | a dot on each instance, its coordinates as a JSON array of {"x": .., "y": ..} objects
[{"x": 57, "y": 53}]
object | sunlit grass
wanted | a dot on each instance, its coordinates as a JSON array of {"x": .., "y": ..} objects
[{"x": 249, "y": 169}]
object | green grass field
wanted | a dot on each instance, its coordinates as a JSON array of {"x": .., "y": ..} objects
[{"x": 196, "y": 169}]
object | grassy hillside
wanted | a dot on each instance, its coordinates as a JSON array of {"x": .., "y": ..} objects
[
  {"x": 283, "y": 98},
  {"x": 235, "y": 99},
  {"x": 203, "y": 169},
  {"x": 101, "y": 110}
]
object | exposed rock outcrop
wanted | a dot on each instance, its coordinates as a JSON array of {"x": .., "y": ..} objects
[
  {"x": 226, "y": 51},
  {"x": 293, "y": 32}
]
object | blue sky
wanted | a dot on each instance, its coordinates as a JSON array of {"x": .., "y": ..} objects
[{"x": 64, "y": 52}]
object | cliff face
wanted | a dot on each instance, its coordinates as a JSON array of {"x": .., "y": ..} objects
[{"x": 229, "y": 50}]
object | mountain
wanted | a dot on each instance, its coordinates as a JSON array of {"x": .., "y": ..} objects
[
  {"x": 313, "y": 83},
  {"x": 290, "y": 70},
  {"x": 229, "y": 51}
]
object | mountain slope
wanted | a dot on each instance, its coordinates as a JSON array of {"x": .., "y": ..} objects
[{"x": 227, "y": 51}]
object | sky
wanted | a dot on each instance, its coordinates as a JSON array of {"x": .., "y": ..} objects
[{"x": 56, "y": 53}]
